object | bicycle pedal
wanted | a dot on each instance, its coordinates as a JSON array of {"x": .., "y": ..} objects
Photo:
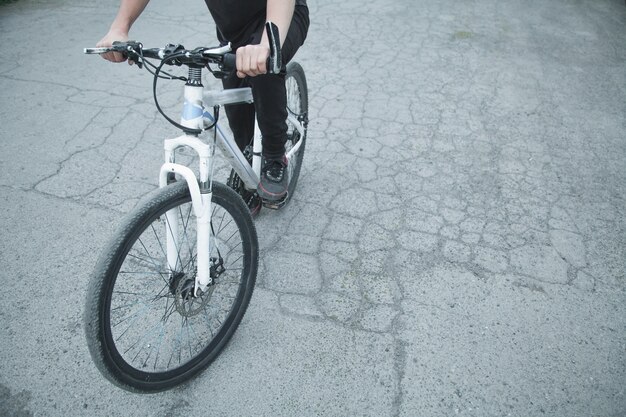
[{"x": 275, "y": 205}]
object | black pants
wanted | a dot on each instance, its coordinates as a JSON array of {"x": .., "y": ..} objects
[{"x": 270, "y": 100}]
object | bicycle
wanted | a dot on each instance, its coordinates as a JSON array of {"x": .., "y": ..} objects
[{"x": 173, "y": 283}]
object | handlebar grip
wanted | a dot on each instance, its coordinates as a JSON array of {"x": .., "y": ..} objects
[
  {"x": 98, "y": 51},
  {"x": 229, "y": 63},
  {"x": 274, "y": 62}
]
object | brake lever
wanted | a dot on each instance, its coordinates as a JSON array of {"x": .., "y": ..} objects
[
  {"x": 275, "y": 59},
  {"x": 129, "y": 50}
]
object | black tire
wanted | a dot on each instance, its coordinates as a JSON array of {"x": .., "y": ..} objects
[
  {"x": 145, "y": 330},
  {"x": 298, "y": 105}
]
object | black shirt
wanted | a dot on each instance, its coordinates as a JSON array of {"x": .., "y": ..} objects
[{"x": 237, "y": 20}]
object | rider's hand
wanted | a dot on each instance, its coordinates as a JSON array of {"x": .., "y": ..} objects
[
  {"x": 252, "y": 60},
  {"x": 108, "y": 40}
]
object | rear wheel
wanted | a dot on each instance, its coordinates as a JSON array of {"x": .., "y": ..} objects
[
  {"x": 298, "y": 107},
  {"x": 146, "y": 329}
]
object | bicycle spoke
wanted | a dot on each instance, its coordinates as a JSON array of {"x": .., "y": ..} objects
[
  {"x": 185, "y": 225},
  {"x": 235, "y": 233},
  {"x": 162, "y": 336},
  {"x": 169, "y": 311},
  {"x": 178, "y": 249},
  {"x": 221, "y": 220},
  {"x": 140, "y": 340},
  {"x": 135, "y": 317},
  {"x": 156, "y": 235},
  {"x": 237, "y": 246},
  {"x": 143, "y": 272},
  {"x": 149, "y": 261},
  {"x": 239, "y": 258}
]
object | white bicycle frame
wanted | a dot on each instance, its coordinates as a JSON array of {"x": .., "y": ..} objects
[{"x": 194, "y": 116}]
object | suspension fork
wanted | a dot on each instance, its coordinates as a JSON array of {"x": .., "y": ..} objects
[
  {"x": 201, "y": 191},
  {"x": 201, "y": 196}
]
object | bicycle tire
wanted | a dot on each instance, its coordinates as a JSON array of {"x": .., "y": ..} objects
[
  {"x": 131, "y": 333},
  {"x": 298, "y": 105}
]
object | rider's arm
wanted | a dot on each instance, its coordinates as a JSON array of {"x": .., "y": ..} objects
[
  {"x": 128, "y": 12},
  {"x": 251, "y": 59},
  {"x": 280, "y": 13}
]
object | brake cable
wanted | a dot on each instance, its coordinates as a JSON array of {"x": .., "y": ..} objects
[{"x": 156, "y": 73}]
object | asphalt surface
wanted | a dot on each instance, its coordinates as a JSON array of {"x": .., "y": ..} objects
[{"x": 457, "y": 244}]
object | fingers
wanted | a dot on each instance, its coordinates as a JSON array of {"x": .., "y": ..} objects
[
  {"x": 114, "y": 57},
  {"x": 251, "y": 60},
  {"x": 108, "y": 41}
]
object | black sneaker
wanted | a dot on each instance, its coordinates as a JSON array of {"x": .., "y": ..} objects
[{"x": 274, "y": 179}]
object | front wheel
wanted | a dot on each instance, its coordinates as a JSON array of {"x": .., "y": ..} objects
[{"x": 146, "y": 329}]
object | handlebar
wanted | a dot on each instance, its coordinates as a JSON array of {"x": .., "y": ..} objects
[
  {"x": 195, "y": 59},
  {"x": 172, "y": 54},
  {"x": 178, "y": 55}
]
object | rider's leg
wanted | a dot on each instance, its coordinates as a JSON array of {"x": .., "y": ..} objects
[
  {"x": 269, "y": 90},
  {"x": 270, "y": 101},
  {"x": 270, "y": 106},
  {"x": 240, "y": 116}
]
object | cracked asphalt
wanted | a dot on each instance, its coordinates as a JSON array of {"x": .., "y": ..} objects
[{"x": 457, "y": 244}]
